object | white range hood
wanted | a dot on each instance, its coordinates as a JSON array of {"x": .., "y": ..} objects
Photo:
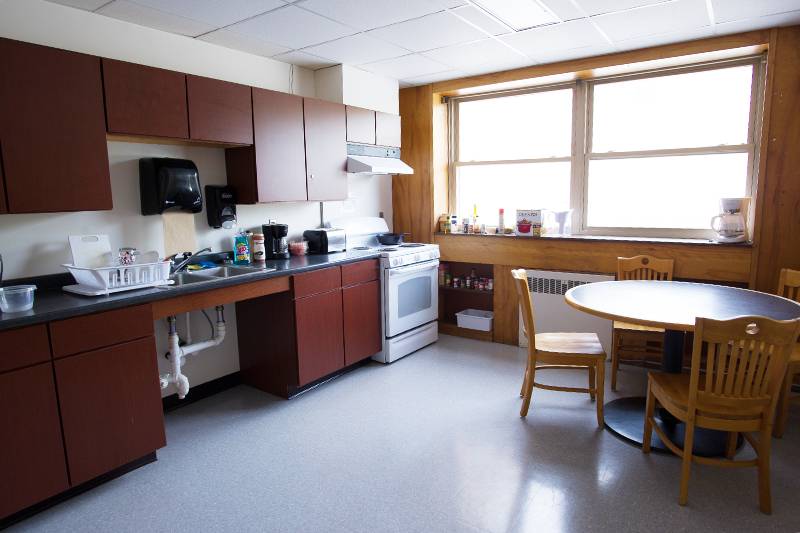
[{"x": 367, "y": 164}]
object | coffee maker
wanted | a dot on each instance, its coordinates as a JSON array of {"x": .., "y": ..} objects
[
  {"x": 276, "y": 240},
  {"x": 731, "y": 224}
]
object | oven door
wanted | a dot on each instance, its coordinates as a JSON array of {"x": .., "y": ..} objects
[{"x": 411, "y": 296}]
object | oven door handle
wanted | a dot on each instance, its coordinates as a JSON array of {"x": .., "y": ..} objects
[{"x": 411, "y": 269}]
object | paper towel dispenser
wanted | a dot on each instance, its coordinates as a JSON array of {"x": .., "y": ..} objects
[{"x": 166, "y": 183}]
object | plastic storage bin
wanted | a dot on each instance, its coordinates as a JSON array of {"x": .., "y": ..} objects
[
  {"x": 16, "y": 298},
  {"x": 475, "y": 319}
]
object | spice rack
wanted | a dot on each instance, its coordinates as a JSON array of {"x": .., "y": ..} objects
[{"x": 454, "y": 299}]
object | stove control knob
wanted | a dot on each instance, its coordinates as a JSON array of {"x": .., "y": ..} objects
[{"x": 395, "y": 261}]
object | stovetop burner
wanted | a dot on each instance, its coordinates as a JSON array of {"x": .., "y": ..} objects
[
  {"x": 388, "y": 249},
  {"x": 411, "y": 245},
  {"x": 360, "y": 248}
]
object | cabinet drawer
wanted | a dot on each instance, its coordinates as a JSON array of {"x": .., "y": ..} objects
[
  {"x": 24, "y": 347},
  {"x": 84, "y": 333},
  {"x": 360, "y": 272},
  {"x": 316, "y": 282}
]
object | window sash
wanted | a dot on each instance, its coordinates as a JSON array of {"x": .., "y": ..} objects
[{"x": 582, "y": 154}]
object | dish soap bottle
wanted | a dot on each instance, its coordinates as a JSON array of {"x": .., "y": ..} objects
[{"x": 241, "y": 248}]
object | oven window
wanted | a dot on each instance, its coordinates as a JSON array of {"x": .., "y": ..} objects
[{"x": 414, "y": 295}]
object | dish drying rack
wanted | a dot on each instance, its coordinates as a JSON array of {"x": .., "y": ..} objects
[{"x": 100, "y": 281}]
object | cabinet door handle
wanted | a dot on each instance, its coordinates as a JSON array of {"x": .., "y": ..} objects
[{"x": 311, "y": 176}]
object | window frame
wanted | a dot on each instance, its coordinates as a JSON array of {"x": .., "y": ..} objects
[{"x": 582, "y": 124}]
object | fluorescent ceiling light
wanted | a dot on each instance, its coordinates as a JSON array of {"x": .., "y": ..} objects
[{"x": 518, "y": 14}]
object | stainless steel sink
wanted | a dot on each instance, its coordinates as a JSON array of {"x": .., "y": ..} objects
[
  {"x": 226, "y": 271},
  {"x": 184, "y": 278}
]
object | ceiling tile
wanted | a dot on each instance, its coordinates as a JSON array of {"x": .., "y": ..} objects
[
  {"x": 89, "y": 5},
  {"x": 293, "y": 27},
  {"x": 553, "y": 56},
  {"x": 152, "y": 18},
  {"x": 681, "y": 15},
  {"x": 771, "y": 21},
  {"x": 564, "y": 9},
  {"x": 598, "y": 7},
  {"x": 472, "y": 55},
  {"x": 479, "y": 18},
  {"x": 357, "y": 49},
  {"x": 368, "y": 14},
  {"x": 214, "y": 12},
  {"x": 409, "y": 66},
  {"x": 431, "y": 31},
  {"x": 565, "y": 36},
  {"x": 665, "y": 38},
  {"x": 302, "y": 59},
  {"x": 730, "y": 10},
  {"x": 433, "y": 78},
  {"x": 497, "y": 66},
  {"x": 244, "y": 43}
]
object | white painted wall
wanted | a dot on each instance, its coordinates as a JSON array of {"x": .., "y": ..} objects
[
  {"x": 36, "y": 244},
  {"x": 352, "y": 86}
]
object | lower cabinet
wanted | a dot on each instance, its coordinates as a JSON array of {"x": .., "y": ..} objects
[
  {"x": 32, "y": 466},
  {"x": 320, "y": 335},
  {"x": 361, "y": 306},
  {"x": 110, "y": 407}
]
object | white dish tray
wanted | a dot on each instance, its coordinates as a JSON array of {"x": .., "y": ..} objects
[
  {"x": 105, "y": 280},
  {"x": 475, "y": 319}
]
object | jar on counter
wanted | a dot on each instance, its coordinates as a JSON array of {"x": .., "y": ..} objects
[{"x": 259, "y": 252}]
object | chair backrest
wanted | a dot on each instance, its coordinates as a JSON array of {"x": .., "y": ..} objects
[
  {"x": 789, "y": 284},
  {"x": 525, "y": 305},
  {"x": 745, "y": 360},
  {"x": 645, "y": 267}
]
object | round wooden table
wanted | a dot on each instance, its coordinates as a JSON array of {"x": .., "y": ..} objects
[{"x": 674, "y": 306}]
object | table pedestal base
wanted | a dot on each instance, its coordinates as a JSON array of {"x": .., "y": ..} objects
[{"x": 625, "y": 419}]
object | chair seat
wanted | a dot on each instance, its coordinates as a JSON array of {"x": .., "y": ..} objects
[
  {"x": 673, "y": 389},
  {"x": 635, "y": 327},
  {"x": 570, "y": 343}
]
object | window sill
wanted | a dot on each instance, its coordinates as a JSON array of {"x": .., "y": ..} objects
[{"x": 606, "y": 238}]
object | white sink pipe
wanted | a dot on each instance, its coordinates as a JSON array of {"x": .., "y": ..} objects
[{"x": 177, "y": 353}]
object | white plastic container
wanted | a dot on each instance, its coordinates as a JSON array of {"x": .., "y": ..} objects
[
  {"x": 16, "y": 298},
  {"x": 475, "y": 319}
]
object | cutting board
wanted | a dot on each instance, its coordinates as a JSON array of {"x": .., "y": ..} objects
[{"x": 90, "y": 251}]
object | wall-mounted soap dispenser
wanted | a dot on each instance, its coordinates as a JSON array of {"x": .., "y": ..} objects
[
  {"x": 166, "y": 183},
  {"x": 220, "y": 206}
]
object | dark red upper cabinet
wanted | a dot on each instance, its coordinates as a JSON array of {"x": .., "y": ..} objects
[
  {"x": 360, "y": 125},
  {"x": 3, "y": 207},
  {"x": 52, "y": 126},
  {"x": 219, "y": 111},
  {"x": 274, "y": 168},
  {"x": 145, "y": 101},
  {"x": 387, "y": 129},
  {"x": 326, "y": 150}
]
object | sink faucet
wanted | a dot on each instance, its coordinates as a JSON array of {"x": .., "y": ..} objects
[{"x": 180, "y": 266}]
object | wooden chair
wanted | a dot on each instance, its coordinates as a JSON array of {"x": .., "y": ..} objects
[
  {"x": 632, "y": 339},
  {"x": 788, "y": 287},
  {"x": 742, "y": 369},
  {"x": 558, "y": 350}
]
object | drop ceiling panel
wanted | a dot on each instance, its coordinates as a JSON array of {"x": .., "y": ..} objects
[
  {"x": 433, "y": 78},
  {"x": 89, "y": 5},
  {"x": 554, "y": 56},
  {"x": 784, "y": 19},
  {"x": 368, "y": 14},
  {"x": 214, "y": 12},
  {"x": 598, "y": 7},
  {"x": 244, "y": 43},
  {"x": 357, "y": 49},
  {"x": 479, "y": 18},
  {"x": 672, "y": 17},
  {"x": 153, "y": 18},
  {"x": 664, "y": 38},
  {"x": 293, "y": 27},
  {"x": 428, "y": 32},
  {"x": 410, "y": 66},
  {"x": 471, "y": 55},
  {"x": 547, "y": 39},
  {"x": 565, "y": 9},
  {"x": 730, "y": 10},
  {"x": 302, "y": 59}
]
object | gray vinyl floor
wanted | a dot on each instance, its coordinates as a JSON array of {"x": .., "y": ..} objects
[{"x": 430, "y": 443}]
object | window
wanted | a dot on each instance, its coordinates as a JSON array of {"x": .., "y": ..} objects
[{"x": 648, "y": 154}]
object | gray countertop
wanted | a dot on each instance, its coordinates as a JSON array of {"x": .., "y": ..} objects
[{"x": 55, "y": 304}]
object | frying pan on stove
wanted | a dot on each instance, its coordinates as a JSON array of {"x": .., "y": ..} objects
[{"x": 391, "y": 239}]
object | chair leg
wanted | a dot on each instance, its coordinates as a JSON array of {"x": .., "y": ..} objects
[
  {"x": 592, "y": 382},
  {"x": 524, "y": 382},
  {"x": 614, "y": 359},
  {"x": 688, "y": 443},
  {"x": 649, "y": 411},
  {"x": 782, "y": 411},
  {"x": 600, "y": 382},
  {"x": 730, "y": 447},
  {"x": 764, "y": 495},
  {"x": 526, "y": 402}
]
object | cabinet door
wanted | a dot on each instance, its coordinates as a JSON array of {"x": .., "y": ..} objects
[
  {"x": 32, "y": 466},
  {"x": 52, "y": 126},
  {"x": 142, "y": 100},
  {"x": 326, "y": 150},
  {"x": 278, "y": 137},
  {"x": 360, "y": 125},
  {"x": 320, "y": 339},
  {"x": 387, "y": 129},
  {"x": 3, "y": 207},
  {"x": 110, "y": 407},
  {"x": 362, "y": 321},
  {"x": 219, "y": 111}
]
